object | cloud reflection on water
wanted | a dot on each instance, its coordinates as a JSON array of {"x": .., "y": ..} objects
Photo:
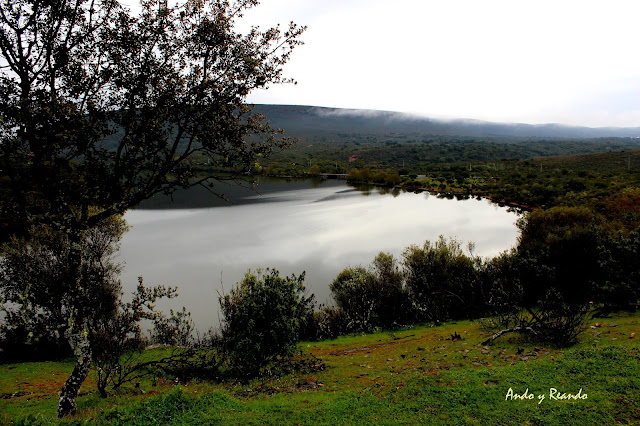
[{"x": 321, "y": 230}]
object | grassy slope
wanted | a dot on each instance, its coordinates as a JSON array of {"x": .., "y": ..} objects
[{"x": 413, "y": 376}]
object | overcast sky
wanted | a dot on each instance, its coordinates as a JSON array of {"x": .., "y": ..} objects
[{"x": 565, "y": 61}]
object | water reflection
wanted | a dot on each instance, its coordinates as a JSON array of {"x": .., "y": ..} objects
[{"x": 321, "y": 227}]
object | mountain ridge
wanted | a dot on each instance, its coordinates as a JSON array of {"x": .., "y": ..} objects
[{"x": 305, "y": 120}]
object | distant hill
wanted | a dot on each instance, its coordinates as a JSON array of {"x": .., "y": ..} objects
[{"x": 313, "y": 122}]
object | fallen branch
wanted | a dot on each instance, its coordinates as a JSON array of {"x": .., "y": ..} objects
[
  {"x": 394, "y": 337},
  {"x": 509, "y": 330}
]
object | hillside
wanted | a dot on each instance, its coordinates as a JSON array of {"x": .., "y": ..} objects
[
  {"x": 416, "y": 376},
  {"x": 309, "y": 121}
]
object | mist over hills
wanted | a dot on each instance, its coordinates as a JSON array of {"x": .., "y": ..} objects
[{"x": 309, "y": 121}]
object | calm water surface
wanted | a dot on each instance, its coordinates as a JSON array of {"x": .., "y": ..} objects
[{"x": 293, "y": 227}]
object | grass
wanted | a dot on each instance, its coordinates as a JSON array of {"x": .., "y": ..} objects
[{"x": 412, "y": 376}]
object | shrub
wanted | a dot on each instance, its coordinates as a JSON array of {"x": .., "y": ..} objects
[
  {"x": 116, "y": 339},
  {"x": 558, "y": 321},
  {"x": 354, "y": 293},
  {"x": 393, "y": 307},
  {"x": 503, "y": 291},
  {"x": 262, "y": 320},
  {"x": 329, "y": 323},
  {"x": 371, "y": 298},
  {"x": 441, "y": 280},
  {"x": 174, "y": 330},
  {"x": 544, "y": 286}
]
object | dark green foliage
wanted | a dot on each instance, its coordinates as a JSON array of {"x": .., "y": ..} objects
[
  {"x": 174, "y": 330},
  {"x": 620, "y": 285},
  {"x": 555, "y": 273},
  {"x": 393, "y": 306},
  {"x": 559, "y": 320},
  {"x": 263, "y": 318},
  {"x": 441, "y": 280},
  {"x": 567, "y": 262},
  {"x": 502, "y": 289},
  {"x": 379, "y": 177},
  {"x": 366, "y": 299},
  {"x": 34, "y": 288},
  {"x": 354, "y": 291},
  {"x": 329, "y": 323},
  {"x": 575, "y": 252},
  {"x": 560, "y": 248}
]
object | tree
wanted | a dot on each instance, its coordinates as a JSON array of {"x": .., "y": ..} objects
[
  {"x": 35, "y": 293},
  {"x": 102, "y": 109},
  {"x": 36, "y": 302},
  {"x": 314, "y": 170}
]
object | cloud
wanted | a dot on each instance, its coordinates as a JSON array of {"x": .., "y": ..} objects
[{"x": 491, "y": 60}]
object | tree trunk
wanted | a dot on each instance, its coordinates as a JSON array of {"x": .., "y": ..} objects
[
  {"x": 103, "y": 379},
  {"x": 69, "y": 392},
  {"x": 78, "y": 332}
]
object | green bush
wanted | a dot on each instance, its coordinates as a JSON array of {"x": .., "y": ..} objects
[
  {"x": 174, "y": 330},
  {"x": 371, "y": 298},
  {"x": 329, "y": 322},
  {"x": 354, "y": 293},
  {"x": 441, "y": 280},
  {"x": 262, "y": 320}
]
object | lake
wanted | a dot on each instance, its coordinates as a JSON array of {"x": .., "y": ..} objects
[{"x": 320, "y": 227}]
